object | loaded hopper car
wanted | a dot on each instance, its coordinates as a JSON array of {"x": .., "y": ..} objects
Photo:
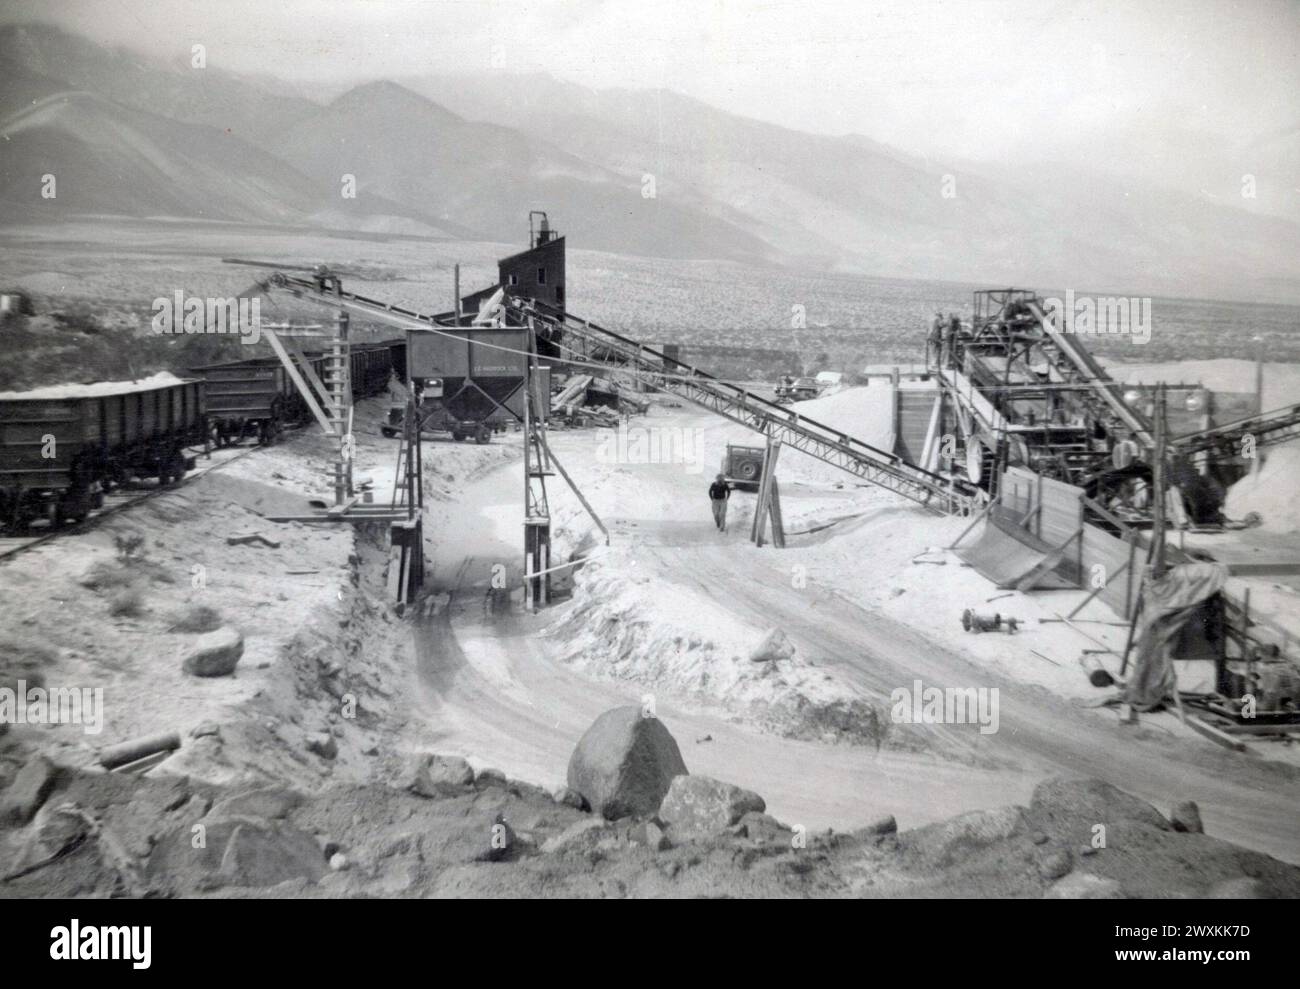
[{"x": 63, "y": 447}]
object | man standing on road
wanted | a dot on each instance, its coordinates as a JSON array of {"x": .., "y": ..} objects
[{"x": 719, "y": 492}]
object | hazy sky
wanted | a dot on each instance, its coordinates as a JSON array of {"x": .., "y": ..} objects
[{"x": 928, "y": 76}]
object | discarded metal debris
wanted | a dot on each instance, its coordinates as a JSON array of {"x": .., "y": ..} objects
[{"x": 973, "y": 622}]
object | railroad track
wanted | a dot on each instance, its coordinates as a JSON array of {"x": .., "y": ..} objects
[{"x": 120, "y": 500}]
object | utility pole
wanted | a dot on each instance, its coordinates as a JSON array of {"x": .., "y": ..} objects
[{"x": 1158, "y": 482}]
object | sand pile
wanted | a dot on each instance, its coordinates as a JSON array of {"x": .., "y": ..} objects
[
  {"x": 666, "y": 635},
  {"x": 98, "y": 389},
  {"x": 1271, "y": 491}
]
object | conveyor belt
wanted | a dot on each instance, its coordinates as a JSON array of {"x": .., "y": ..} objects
[
  {"x": 649, "y": 366},
  {"x": 777, "y": 422},
  {"x": 1268, "y": 428}
]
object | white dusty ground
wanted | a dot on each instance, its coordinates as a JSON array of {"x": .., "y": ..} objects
[
  {"x": 678, "y": 605},
  {"x": 678, "y": 608}
]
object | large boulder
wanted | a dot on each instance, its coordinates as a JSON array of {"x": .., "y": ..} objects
[
  {"x": 697, "y": 806},
  {"x": 24, "y": 796},
  {"x": 1083, "y": 803},
  {"x": 625, "y": 763},
  {"x": 215, "y": 654}
]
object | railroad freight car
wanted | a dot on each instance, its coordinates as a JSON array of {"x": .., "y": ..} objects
[
  {"x": 63, "y": 447},
  {"x": 372, "y": 366},
  {"x": 252, "y": 398}
]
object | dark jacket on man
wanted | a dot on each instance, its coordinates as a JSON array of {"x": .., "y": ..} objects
[{"x": 719, "y": 491}]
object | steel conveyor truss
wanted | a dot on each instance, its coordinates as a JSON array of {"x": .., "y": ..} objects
[{"x": 777, "y": 422}]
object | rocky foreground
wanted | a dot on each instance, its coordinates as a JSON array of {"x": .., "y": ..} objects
[{"x": 632, "y": 821}]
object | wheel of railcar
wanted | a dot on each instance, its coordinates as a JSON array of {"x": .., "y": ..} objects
[
  {"x": 176, "y": 466},
  {"x": 74, "y": 505},
  {"x": 483, "y": 434}
]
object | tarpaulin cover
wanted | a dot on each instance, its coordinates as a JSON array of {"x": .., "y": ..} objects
[{"x": 1167, "y": 604}]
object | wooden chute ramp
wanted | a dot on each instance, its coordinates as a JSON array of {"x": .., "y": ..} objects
[{"x": 1030, "y": 537}]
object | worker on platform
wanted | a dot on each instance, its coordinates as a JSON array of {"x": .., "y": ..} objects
[
  {"x": 934, "y": 342},
  {"x": 719, "y": 492},
  {"x": 1126, "y": 451},
  {"x": 950, "y": 341}
]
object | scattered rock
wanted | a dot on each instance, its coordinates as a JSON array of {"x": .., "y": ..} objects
[
  {"x": 501, "y": 845},
  {"x": 215, "y": 654},
  {"x": 1087, "y": 851},
  {"x": 624, "y": 763},
  {"x": 205, "y": 729},
  {"x": 575, "y": 834},
  {"x": 439, "y": 775},
  {"x": 266, "y": 803},
  {"x": 236, "y": 852},
  {"x": 1084, "y": 886},
  {"x": 525, "y": 791},
  {"x": 340, "y": 862},
  {"x": 490, "y": 777},
  {"x": 774, "y": 646},
  {"x": 696, "y": 806},
  {"x": 882, "y": 825},
  {"x": 947, "y": 841},
  {"x": 1187, "y": 818},
  {"x": 1055, "y": 864},
  {"x": 570, "y": 798},
  {"x": 1085, "y": 802},
  {"x": 761, "y": 827},
  {"x": 322, "y": 743},
  {"x": 653, "y": 837},
  {"x": 28, "y": 791},
  {"x": 54, "y": 830},
  {"x": 1039, "y": 838}
]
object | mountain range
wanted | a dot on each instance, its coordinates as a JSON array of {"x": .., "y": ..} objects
[{"x": 639, "y": 172}]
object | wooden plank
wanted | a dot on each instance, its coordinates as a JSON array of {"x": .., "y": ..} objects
[
  {"x": 1047, "y": 564},
  {"x": 1203, "y": 727},
  {"x": 1095, "y": 591},
  {"x": 974, "y": 522}
]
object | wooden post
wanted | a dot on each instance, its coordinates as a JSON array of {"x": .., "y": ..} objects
[
  {"x": 765, "y": 491},
  {"x": 1158, "y": 481}
]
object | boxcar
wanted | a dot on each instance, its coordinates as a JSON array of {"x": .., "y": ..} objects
[{"x": 61, "y": 448}]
